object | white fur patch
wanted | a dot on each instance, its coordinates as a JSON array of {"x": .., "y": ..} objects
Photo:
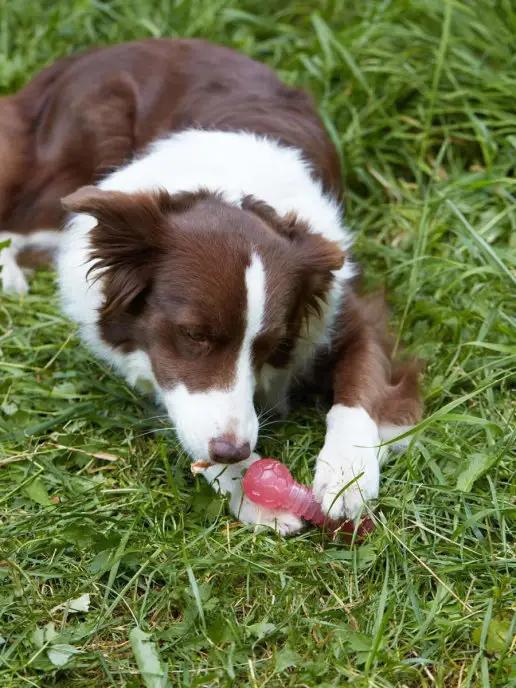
[
  {"x": 350, "y": 455},
  {"x": 202, "y": 416},
  {"x": 12, "y": 276}
]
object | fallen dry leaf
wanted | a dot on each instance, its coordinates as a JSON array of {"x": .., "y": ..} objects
[{"x": 199, "y": 466}]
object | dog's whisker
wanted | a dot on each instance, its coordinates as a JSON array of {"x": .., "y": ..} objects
[
  {"x": 271, "y": 422},
  {"x": 153, "y": 430}
]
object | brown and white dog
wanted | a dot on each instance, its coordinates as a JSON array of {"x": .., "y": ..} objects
[{"x": 210, "y": 261}]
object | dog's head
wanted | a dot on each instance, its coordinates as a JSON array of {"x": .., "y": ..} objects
[{"x": 211, "y": 292}]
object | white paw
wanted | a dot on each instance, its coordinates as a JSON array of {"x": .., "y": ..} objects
[
  {"x": 11, "y": 275},
  {"x": 344, "y": 481},
  {"x": 282, "y": 522},
  {"x": 347, "y": 473}
]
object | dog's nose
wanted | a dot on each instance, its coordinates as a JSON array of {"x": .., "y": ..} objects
[{"x": 225, "y": 449}]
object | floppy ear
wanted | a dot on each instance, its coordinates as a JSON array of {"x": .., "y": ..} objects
[
  {"x": 319, "y": 258},
  {"x": 126, "y": 241}
]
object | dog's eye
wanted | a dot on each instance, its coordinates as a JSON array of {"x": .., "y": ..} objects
[{"x": 196, "y": 336}]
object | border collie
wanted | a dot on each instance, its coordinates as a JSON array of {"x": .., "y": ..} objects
[{"x": 205, "y": 255}]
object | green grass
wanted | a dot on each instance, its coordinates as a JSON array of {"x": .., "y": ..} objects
[{"x": 419, "y": 98}]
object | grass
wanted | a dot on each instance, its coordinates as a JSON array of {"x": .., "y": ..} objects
[{"x": 95, "y": 496}]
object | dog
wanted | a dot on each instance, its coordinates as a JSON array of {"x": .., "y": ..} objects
[{"x": 204, "y": 254}]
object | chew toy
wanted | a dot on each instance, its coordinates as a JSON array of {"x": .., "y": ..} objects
[{"x": 269, "y": 483}]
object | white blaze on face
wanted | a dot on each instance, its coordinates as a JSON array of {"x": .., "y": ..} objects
[{"x": 199, "y": 417}]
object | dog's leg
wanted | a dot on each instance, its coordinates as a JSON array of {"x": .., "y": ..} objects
[
  {"x": 348, "y": 466},
  {"x": 12, "y": 276},
  {"x": 228, "y": 481},
  {"x": 368, "y": 398}
]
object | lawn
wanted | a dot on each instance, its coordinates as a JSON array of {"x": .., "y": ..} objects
[{"x": 96, "y": 498}]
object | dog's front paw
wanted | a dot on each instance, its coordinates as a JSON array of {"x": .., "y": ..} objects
[
  {"x": 282, "y": 522},
  {"x": 228, "y": 481},
  {"x": 348, "y": 468},
  {"x": 344, "y": 481},
  {"x": 12, "y": 278}
]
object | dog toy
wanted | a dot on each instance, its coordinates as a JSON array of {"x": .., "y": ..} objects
[{"x": 269, "y": 483}]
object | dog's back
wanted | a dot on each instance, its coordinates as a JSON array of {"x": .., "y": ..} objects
[{"x": 88, "y": 114}]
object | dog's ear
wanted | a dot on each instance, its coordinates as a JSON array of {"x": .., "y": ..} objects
[
  {"x": 316, "y": 256},
  {"x": 126, "y": 242},
  {"x": 319, "y": 258}
]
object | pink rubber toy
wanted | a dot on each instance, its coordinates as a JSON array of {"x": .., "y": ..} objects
[{"x": 269, "y": 483}]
